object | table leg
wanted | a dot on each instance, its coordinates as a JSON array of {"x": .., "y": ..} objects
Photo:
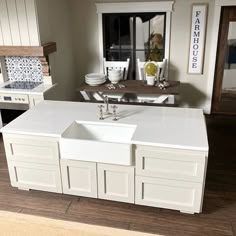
[
  {"x": 86, "y": 96},
  {"x": 171, "y": 99}
]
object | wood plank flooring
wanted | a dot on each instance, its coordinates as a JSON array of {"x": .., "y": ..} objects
[{"x": 219, "y": 210}]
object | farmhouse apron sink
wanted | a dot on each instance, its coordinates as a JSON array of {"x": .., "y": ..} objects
[{"x": 98, "y": 142}]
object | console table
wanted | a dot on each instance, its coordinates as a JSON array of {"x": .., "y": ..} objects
[{"x": 135, "y": 87}]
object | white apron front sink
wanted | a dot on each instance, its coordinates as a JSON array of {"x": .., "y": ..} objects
[{"x": 98, "y": 142}]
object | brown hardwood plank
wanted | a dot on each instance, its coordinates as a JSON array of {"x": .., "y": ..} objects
[{"x": 33, "y": 200}]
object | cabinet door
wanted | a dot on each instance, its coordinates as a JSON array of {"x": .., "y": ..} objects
[
  {"x": 79, "y": 178},
  {"x": 116, "y": 182},
  {"x": 171, "y": 194},
  {"x": 32, "y": 149},
  {"x": 35, "y": 176},
  {"x": 170, "y": 164}
]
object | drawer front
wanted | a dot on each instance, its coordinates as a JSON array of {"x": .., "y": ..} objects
[
  {"x": 116, "y": 182},
  {"x": 177, "y": 165},
  {"x": 171, "y": 194},
  {"x": 35, "y": 176},
  {"x": 31, "y": 149},
  {"x": 79, "y": 178}
]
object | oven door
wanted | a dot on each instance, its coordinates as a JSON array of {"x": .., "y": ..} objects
[{"x": 10, "y": 111}]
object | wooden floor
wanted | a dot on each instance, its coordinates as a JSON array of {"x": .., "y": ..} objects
[{"x": 219, "y": 211}]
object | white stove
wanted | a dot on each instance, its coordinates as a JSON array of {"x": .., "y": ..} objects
[
  {"x": 14, "y": 98},
  {"x": 28, "y": 85},
  {"x": 18, "y": 96}
]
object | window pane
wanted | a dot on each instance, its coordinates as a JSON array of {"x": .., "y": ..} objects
[
  {"x": 118, "y": 55},
  {"x": 150, "y": 34},
  {"x": 116, "y": 35}
]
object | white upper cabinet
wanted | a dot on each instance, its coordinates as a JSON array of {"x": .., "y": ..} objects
[{"x": 19, "y": 23}]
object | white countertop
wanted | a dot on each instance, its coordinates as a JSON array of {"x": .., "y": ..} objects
[
  {"x": 182, "y": 128},
  {"x": 40, "y": 89}
]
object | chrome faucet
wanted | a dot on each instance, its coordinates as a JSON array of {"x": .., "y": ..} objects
[{"x": 106, "y": 101}]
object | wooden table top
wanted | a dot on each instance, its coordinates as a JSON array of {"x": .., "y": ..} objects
[{"x": 133, "y": 86}]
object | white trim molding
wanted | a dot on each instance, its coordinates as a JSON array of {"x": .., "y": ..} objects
[
  {"x": 119, "y": 7},
  {"x": 129, "y": 7},
  {"x": 213, "y": 53}
]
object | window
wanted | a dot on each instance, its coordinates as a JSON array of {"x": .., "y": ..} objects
[
  {"x": 135, "y": 30},
  {"x": 134, "y": 35}
]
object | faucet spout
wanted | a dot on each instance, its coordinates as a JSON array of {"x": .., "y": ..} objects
[{"x": 106, "y": 101}]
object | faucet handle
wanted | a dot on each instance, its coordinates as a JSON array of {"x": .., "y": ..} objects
[
  {"x": 101, "y": 112},
  {"x": 114, "y": 107}
]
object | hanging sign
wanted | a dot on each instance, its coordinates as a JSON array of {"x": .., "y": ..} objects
[{"x": 197, "y": 39}]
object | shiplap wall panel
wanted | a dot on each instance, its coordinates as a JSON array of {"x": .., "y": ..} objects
[
  {"x": 13, "y": 21},
  {"x": 19, "y": 23},
  {"x": 4, "y": 18},
  {"x": 1, "y": 37},
  {"x": 32, "y": 22},
  {"x": 23, "y": 24}
]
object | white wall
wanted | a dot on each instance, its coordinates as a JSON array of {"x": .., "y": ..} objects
[
  {"x": 54, "y": 18},
  {"x": 193, "y": 87}
]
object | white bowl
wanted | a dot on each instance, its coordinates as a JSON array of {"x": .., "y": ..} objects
[
  {"x": 114, "y": 77},
  {"x": 114, "y": 72},
  {"x": 114, "y": 80}
]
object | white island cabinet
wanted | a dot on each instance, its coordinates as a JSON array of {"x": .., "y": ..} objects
[
  {"x": 33, "y": 162},
  {"x": 166, "y": 168}
]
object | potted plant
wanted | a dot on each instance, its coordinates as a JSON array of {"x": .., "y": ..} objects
[{"x": 150, "y": 70}]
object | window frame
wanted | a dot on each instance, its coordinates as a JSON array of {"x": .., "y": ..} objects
[{"x": 133, "y": 7}]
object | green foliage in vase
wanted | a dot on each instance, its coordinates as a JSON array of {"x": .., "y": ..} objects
[{"x": 154, "y": 46}]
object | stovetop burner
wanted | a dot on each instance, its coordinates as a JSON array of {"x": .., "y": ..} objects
[{"x": 23, "y": 85}]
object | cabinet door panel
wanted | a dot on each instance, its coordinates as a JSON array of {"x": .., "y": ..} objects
[
  {"x": 171, "y": 194},
  {"x": 31, "y": 149},
  {"x": 116, "y": 182},
  {"x": 171, "y": 164},
  {"x": 35, "y": 176},
  {"x": 79, "y": 178}
]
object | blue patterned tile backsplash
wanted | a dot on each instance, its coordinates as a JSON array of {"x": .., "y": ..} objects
[{"x": 24, "y": 69}]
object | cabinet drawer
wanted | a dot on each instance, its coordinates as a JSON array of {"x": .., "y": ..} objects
[
  {"x": 79, "y": 178},
  {"x": 31, "y": 149},
  {"x": 35, "y": 176},
  {"x": 170, "y": 164},
  {"x": 171, "y": 194},
  {"x": 116, "y": 182}
]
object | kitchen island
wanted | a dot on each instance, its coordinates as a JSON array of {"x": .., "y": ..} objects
[{"x": 166, "y": 152}]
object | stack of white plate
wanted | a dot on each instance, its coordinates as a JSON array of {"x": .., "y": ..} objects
[{"x": 95, "y": 79}]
